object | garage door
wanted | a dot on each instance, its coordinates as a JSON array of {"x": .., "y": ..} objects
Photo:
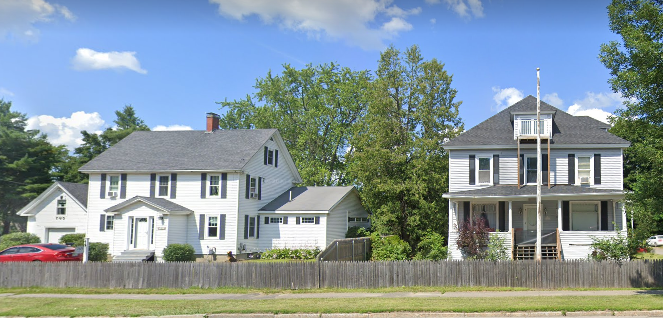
[{"x": 54, "y": 235}]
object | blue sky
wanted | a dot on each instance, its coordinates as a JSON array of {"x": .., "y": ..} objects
[{"x": 69, "y": 64}]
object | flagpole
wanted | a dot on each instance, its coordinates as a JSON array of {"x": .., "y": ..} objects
[{"x": 539, "y": 219}]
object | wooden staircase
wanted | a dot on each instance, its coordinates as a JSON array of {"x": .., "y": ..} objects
[{"x": 524, "y": 252}]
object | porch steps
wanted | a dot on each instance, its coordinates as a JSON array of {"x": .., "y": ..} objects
[
  {"x": 524, "y": 252},
  {"x": 134, "y": 256}
]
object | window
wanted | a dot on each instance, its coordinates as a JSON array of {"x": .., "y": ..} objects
[
  {"x": 584, "y": 169},
  {"x": 487, "y": 212},
  {"x": 253, "y": 188},
  {"x": 212, "y": 226},
  {"x": 131, "y": 235},
  {"x": 163, "y": 186},
  {"x": 484, "y": 170},
  {"x": 270, "y": 157},
  {"x": 308, "y": 220},
  {"x": 13, "y": 250},
  {"x": 110, "y": 222},
  {"x": 214, "y": 186},
  {"x": 252, "y": 226},
  {"x": 358, "y": 219},
  {"x": 275, "y": 220},
  {"x": 62, "y": 206},
  {"x": 114, "y": 183},
  {"x": 530, "y": 170},
  {"x": 585, "y": 216}
]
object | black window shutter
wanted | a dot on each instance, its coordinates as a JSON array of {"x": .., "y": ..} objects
[
  {"x": 203, "y": 183},
  {"x": 297, "y": 220},
  {"x": 102, "y": 223},
  {"x": 265, "y": 154},
  {"x": 317, "y": 220},
  {"x": 472, "y": 175},
  {"x": 123, "y": 186},
  {"x": 565, "y": 216},
  {"x": 572, "y": 169},
  {"x": 544, "y": 168},
  {"x": 248, "y": 185},
  {"x": 257, "y": 227},
  {"x": 466, "y": 211},
  {"x": 102, "y": 194},
  {"x": 201, "y": 226},
  {"x": 153, "y": 180},
  {"x": 222, "y": 227},
  {"x": 604, "y": 215},
  {"x": 173, "y": 185},
  {"x": 522, "y": 169},
  {"x": 502, "y": 209},
  {"x": 259, "y": 188},
  {"x": 285, "y": 220},
  {"x": 496, "y": 169},
  {"x": 266, "y": 220},
  {"x": 246, "y": 227},
  {"x": 224, "y": 185},
  {"x": 276, "y": 158},
  {"x": 597, "y": 168}
]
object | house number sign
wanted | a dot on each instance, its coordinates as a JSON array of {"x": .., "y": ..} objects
[{"x": 60, "y": 218}]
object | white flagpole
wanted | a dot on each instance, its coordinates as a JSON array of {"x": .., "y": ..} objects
[{"x": 539, "y": 219}]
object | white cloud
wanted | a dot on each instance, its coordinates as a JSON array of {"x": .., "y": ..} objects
[
  {"x": 463, "y": 7},
  {"x": 349, "y": 20},
  {"x": 5, "y": 92},
  {"x": 596, "y": 113},
  {"x": 171, "y": 127},
  {"x": 432, "y": 21},
  {"x": 87, "y": 59},
  {"x": 506, "y": 97},
  {"x": 17, "y": 17},
  {"x": 553, "y": 99},
  {"x": 600, "y": 100},
  {"x": 67, "y": 130},
  {"x": 432, "y": 1}
]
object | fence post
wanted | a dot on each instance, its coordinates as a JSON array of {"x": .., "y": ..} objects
[
  {"x": 365, "y": 251},
  {"x": 353, "y": 250}
]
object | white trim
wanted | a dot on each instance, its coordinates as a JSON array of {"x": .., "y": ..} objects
[
  {"x": 510, "y": 215},
  {"x": 591, "y": 168},
  {"x": 43, "y": 196},
  {"x": 609, "y": 195},
  {"x": 560, "y": 224},
  {"x": 598, "y": 217},
  {"x": 158, "y": 186},
  {"x": 293, "y": 212},
  {"x": 526, "y": 146},
  {"x": 490, "y": 169}
]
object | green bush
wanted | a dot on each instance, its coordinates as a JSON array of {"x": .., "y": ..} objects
[
  {"x": 431, "y": 247},
  {"x": 74, "y": 239},
  {"x": 98, "y": 252},
  {"x": 610, "y": 248},
  {"x": 287, "y": 253},
  {"x": 11, "y": 239},
  {"x": 496, "y": 250},
  {"x": 357, "y": 231},
  {"x": 179, "y": 253},
  {"x": 389, "y": 248}
]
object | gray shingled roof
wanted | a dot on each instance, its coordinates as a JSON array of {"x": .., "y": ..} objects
[
  {"x": 308, "y": 199},
  {"x": 567, "y": 129},
  {"x": 77, "y": 190},
  {"x": 530, "y": 191},
  {"x": 160, "y": 203},
  {"x": 181, "y": 150}
]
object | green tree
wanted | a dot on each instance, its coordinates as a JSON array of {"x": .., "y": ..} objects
[
  {"x": 315, "y": 109},
  {"x": 399, "y": 162},
  {"x": 636, "y": 67},
  {"x": 26, "y": 162}
]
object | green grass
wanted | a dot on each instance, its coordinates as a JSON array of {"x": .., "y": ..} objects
[
  {"x": 648, "y": 256},
  {"x": 92, "y": 307}
]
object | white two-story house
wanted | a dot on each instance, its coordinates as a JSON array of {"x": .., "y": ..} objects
[
  {"x": 493, "y": 172},
  {"x": 208, "y": 189}
]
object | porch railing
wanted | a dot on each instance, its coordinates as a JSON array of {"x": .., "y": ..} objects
[{"x": 528, "y": 237}]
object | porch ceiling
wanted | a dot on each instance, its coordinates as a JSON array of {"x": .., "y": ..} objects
[{"x": 525, "y": 192}]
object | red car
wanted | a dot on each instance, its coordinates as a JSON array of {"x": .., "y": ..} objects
[{"x": 40, "y": 253}]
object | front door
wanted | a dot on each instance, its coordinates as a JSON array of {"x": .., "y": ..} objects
[
  {"x": 142, "y": 234},
  {"x": 530, "y": 217}
]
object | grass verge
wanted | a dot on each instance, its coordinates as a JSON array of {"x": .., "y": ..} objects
[{"x": 92, "y": 307}]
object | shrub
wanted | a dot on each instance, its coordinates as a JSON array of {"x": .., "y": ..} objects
[
  {"x": 389, "y": 248},
  {"x": 431, "y": 247},
  {"x": 287, "y": 253},
  {"x": 357, "y": 231},
  {"x": 11, "y": 239},
  {"x": 98, "y": 252},
  {"x": 473, "y": 238},
  {"x": 179, "y": 253},
  {"x": 611, "y": 248},
  {"x": 637, "y": 240},
  {"x": 496, "y": 250},
  {"x": 74, "y": 239}
]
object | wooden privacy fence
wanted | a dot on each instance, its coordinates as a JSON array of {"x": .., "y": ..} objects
[
  {"x": 309, "y": 275},
  {"x": 351, "y": 249}
]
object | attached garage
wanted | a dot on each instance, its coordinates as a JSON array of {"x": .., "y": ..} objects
[{"x": 54, "y": 235}]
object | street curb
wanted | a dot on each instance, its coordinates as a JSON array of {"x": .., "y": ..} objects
[{"x": 400, "y": 314}]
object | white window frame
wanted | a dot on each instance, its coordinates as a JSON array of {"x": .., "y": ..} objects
[
  {"x": 307, "y": 220},
  {"x": 252, "y": 227},
  {"x": 208, "y": 219},
  {"x": 497, "y": 211},
  {"x": 110, "y": 183},
  {"x": 598, "y": 216},
  {"x": 525, "y": 169},
  {"x": 357, "y": 219},
  {"x": 490, "y": 168},
  {"x": 253, "y": 188},
  {"x": 274, "y": 220},
  {"x": 61, "y": 205},
  {"x": 159, "y": 185},
  {"x": 210, "y": 185},
  {"x": 591, "y": 168},
  {"x": 270, "y": 157},
  {"x": 110, "y": 222}
]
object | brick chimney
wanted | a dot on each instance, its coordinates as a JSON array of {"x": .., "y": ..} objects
[{"x": 212, "y": 122}]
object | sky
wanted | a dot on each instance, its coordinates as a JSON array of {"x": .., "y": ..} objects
[{"x": 70, "y": 64}]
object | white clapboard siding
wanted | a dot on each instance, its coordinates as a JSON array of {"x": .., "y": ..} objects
[
  {"x": 337, "y": 221},
  {"x": 292, "y": 235},
  {"x": 577, "y": 244},
  {"x": 45, "y": 217}
]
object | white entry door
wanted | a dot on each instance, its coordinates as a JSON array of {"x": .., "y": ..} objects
[
  {"x": 530, "y": 217},
  {"x": 142, "y": 234}
]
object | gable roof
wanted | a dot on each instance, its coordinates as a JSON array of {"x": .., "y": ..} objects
[
  {"x": 567, "y": 129},
  {"x": 308, "y": 199},
  {"x": 76, "y": 191},
  {"x": 192, "y": 150},
  {"x": 165, "y": 206}
]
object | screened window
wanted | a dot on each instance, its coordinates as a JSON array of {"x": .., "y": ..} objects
[
  {"x": 214, "y": 186},
  {"x": 110, "y": 222},
  {"x": 484, "y": 170},
  {"x": 487, "y": 212},
  {"x": 213, "y": 226},
  {"x": 163, "y": 186},
  {"x": 308, "y": 220},
  {"x": 531, "y": 170},
  {"x": 114, "y": 183},
  {"x": 275, "y": 220},
  {"x": 584, "y": 216},
  {"x": 252, "y": 226},
  {"x": 62, "y": 206},
  {"x": 584, "y": 169}
]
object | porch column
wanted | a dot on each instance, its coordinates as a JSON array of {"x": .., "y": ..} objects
[
  {"x": 623, "y": 209},
  {"x": 510, "y": 216},
  {"x": 559, "y": 215}
]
